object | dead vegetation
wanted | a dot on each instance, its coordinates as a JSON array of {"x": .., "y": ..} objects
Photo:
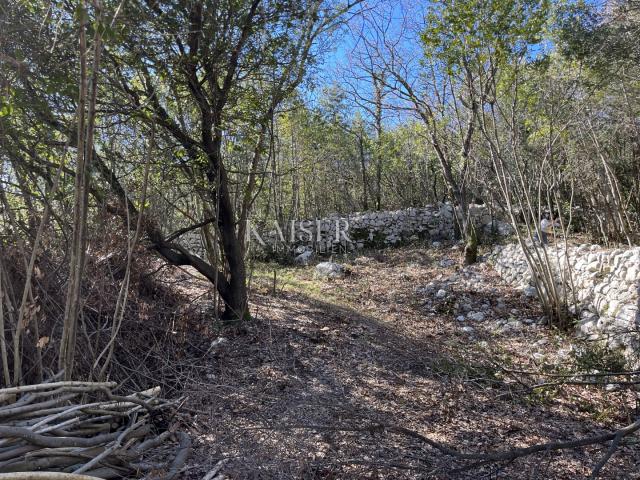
[
  {"x": 361, "y": 378},
  {"x": 370, "y": 376},
  {"x": 83, "y": 428}
]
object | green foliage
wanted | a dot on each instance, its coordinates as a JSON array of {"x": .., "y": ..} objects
[
  {"x": 590, "y": 357},
  {"x": 602, "y": 40},
  {"x": 462, "y": 32},
  {"x": 5, "y": 106}
]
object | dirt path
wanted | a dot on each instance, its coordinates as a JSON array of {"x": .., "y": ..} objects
[{"x": 302, "y": 391}]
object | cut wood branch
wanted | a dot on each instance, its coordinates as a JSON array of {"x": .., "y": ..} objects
[
  {"x": 104, "y": 435},
  {"x": 182, "y": 454},
  {"x": 45, "y": 476},
  {"x": 481, "y": 458},
  {"x": 46, "y": 386}
]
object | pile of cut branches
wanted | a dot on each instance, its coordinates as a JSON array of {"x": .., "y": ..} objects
[{"x": 82, "y": 428}]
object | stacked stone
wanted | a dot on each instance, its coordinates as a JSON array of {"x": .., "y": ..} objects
[
  {"x": 369, "y": 229},
  {"x": 509, "y": 261},
  {"x": 382, "y": 229},
  {"x": 604, "y": 282},
  {"x": 391, "y": 228}
]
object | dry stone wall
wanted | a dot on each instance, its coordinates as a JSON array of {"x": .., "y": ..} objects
[
  {"x": 380, "y": 229},
  {"x": 605, "y": 282},
  {"x": 339, "y": 233}
]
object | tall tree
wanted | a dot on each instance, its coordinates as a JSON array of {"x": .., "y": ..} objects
[
  {"x": 86, "y": 120},
  {"x": 199, "y": 73}
]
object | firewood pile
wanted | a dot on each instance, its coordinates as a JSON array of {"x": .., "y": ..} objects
[{"x": 81, "y": 429}]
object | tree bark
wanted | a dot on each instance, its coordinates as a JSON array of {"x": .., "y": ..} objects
[
  {"x": 81, "y": 202},
  {"x": 377, "y": 86}
]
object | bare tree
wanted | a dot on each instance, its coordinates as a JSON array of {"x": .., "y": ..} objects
[
  {"x": 86, "y": 129},
  {"x": 436, "y": 100}
]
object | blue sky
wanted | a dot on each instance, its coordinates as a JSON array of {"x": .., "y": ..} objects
[{"x": 335, "y": 64}]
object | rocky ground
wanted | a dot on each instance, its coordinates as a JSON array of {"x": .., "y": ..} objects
[{"x": 346, "y": 377}]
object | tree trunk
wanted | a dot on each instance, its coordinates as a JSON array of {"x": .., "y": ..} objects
[
  {"x": 471, "y": 245},
  {"x": 377, "y": 85},
  {"x": 235, "y": 297},
  {"x": 84, "y": 155},
  {"x": 363, "y": 165}
]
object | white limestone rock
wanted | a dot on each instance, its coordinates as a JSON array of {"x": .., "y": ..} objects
[
  {"x": 304, "y": 258},
  {"x": 330, "y": 270}
]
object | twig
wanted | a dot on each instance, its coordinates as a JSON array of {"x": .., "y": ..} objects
[
  {"x": 54, "y": 442},
  {"x": 116, "y": 444},
  {"x": 496, "y": 456},
  {"x": 45, "y": 476},
  {"x": 583, "y": 382},
  {"x": 612, "y": 449},
  {"x": 11, "y": 412},
  {"x": 104, "y": 439},
  {"x": 46, "y": 386},
  {"x": 183, "y": 452},
  {"x": 215, "y": 470},
  {"x": 565, "y": 375}
]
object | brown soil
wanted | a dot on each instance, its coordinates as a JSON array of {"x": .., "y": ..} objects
[{"x": 308, "y": 389}]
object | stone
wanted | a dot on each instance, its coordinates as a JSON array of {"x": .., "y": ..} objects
[
  {"x": 594, "y": 266},
  {"x": 468, "y": 329},
  {"x": 304, "y": 258},
  {"x": 441, "y": 293},
  {"x": 605, "y": 284},
  {"x": 476, "y": 316},
  {"x": 461, "y": 318},
  {"x": 446, "y": 262},
  {"x": 330, "y": 270},
  {"x": 511, "y": 326},
  {"x": 217, "y": 342},
  {"x": 633, "y": 274}
]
